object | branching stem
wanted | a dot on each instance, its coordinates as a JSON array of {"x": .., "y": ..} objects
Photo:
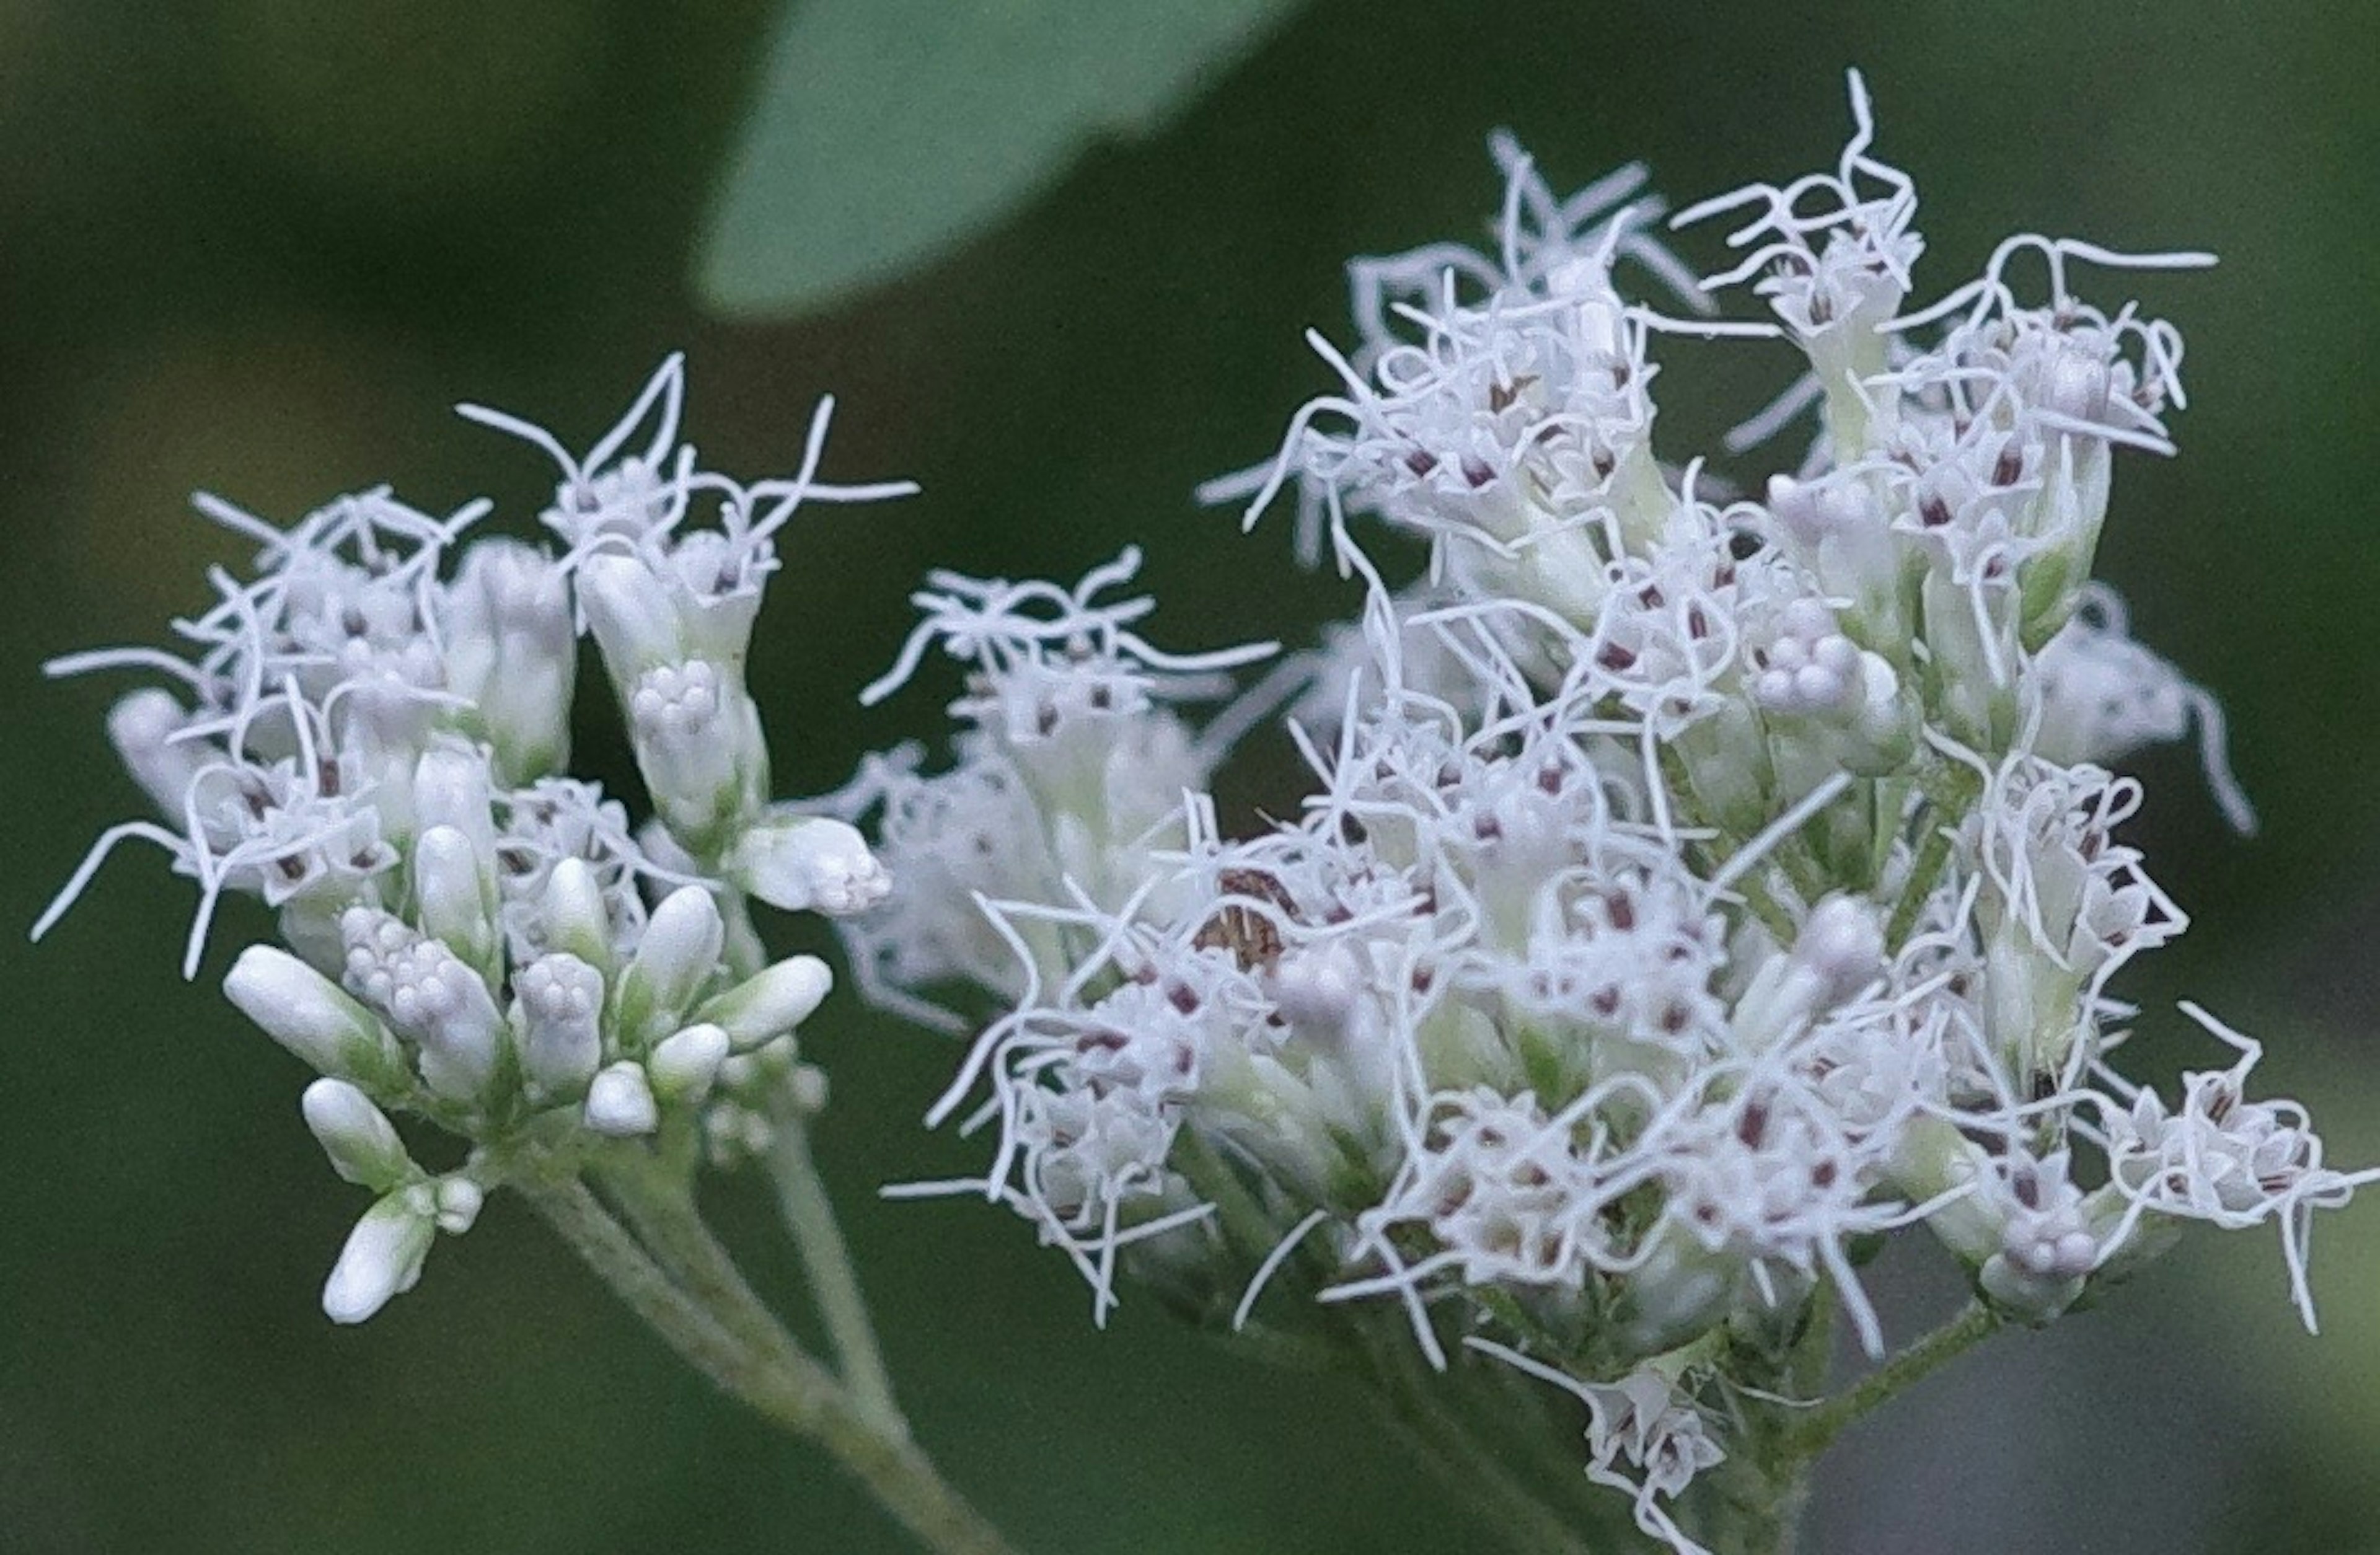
[
  {"x": 825, "y": 1256},
  {"x": 778, "y": 1381},
  {"x": 1817, "y": 1430}
]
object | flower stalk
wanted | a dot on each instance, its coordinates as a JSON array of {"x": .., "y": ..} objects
[
  {"x": 707, "y": 1323},
  {"x": 834, "y": 1284}
]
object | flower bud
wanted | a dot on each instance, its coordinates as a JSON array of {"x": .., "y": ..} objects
[
  {"x": 362, "y": 1144},
  {"x": 629, "y": 610},
  {"x": 562, "y": 1011},
  {"x": 806, "y": 1087},
  {"x": 382, "y": 1258},
  {"x": 683, "y": 1065},
  {"x": 576, "y": 919},
  {"x": 620, "y": 1102},
  {"x": 142, "y": 726},
  {"x": 808, "y": 862},
  {"x": 458, "y": 1203},
  {"x": 307, "y": 1013},
  {"x": 1838, "y": 951},
  {"x": 453, "y": 892},
  {"x": 699, "y": 748},
  {"x": 678, "y": 955},
  {"x": 511, "y": 647},
  {"x": 450, "y": 789},
  {"x": 775, "y": 1000},
  {"x": 1679, "y": 1292},
  {"x": 425, "y": 992}
]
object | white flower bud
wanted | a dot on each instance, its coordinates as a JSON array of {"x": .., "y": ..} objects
[
  {"x": 620, "y": 1102},
  {"x": 733, "y": 1134},
  {"x": 806, "y": 1087},
  {"x": 576, "y": 917},
  {"x": 453, "y": 896},
  {"x": 458, "y": 1203},
  {"x": 428, "y": 994},
  {"x": 362, "y": 1144},
  {"x": 1317, "y": 990},
  {"x": 1679, "y": 1292},
  {"x": 630, "y": 611},
  {"x": 775, "y": 1000},
  {"x": 1841, "y": 946},
  {"x": 382, "y": 1258},
  {"x": 805, "y": 862},
  {"x": 562, "y": 1013},
  {"x": 678, "y": 954},
  {"x": 683, "y": 1065},
  {"x": 1812, "y": 669},
  {"x": 451, "y": 788},
  {"x": 1838, "y": 951},
  {"x": 511, "y": 647},
  {"x": 307, "y": 1013},
  {"x": 699, "y": 748}
]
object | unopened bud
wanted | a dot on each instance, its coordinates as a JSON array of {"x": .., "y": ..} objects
[
  {"x": 808, "y": 863},
  {"x": 683, "y": 1065},
  {"x": 306, "y": 1012},
  {"x": 620, "y": 1102},
  {"x": 773, "y": 1001},
  {"x": 362, "y": 1144},
  {"x": 382, "y": 1258}
]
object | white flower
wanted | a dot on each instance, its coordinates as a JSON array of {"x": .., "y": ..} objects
[
  {"x": 2103, "y": 695},
  {"x": 366, "y": 735},
  {"x": 2219, "y": 1158},
  {"x": 1688, "y": 893},
  {"x": 1642, "y": 1421}
]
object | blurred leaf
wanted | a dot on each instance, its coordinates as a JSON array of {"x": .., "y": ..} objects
[{"x": 889, "y": 131}]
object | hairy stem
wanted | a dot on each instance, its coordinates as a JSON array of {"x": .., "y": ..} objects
[
  {"x": 825, "y": 1256},
  {"x": 1815, "y": 1431},
  {"x": 665, "y": 1219},
  {"x": 1945, "y": 796},
  {"x": 784, "y": 1385}
]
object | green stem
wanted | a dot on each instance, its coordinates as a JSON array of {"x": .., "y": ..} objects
[
  {"x": 1752, "y": 1503},
  {"x": 790, "y": 1389},
  {"x": 697, "y": 1334},
  {"x": 825, "y": 1256},
  {"x": 1815, "y": 1431},
  {"x": 1946, "y": 797},
  {"x": 664, "y": 1218}
]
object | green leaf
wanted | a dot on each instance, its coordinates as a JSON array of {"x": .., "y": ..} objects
[{"x": 887, "y": 132}]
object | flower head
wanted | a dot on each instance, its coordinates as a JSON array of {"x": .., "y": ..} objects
[{"x": 368, "y": 736}]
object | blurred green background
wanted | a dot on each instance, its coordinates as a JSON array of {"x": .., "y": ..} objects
[{"x": 260, "y": 245}]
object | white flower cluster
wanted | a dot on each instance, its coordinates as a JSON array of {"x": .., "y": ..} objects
[
  {"x": 375, "y": 745},
  {"x": 1695, "y": 887}
]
